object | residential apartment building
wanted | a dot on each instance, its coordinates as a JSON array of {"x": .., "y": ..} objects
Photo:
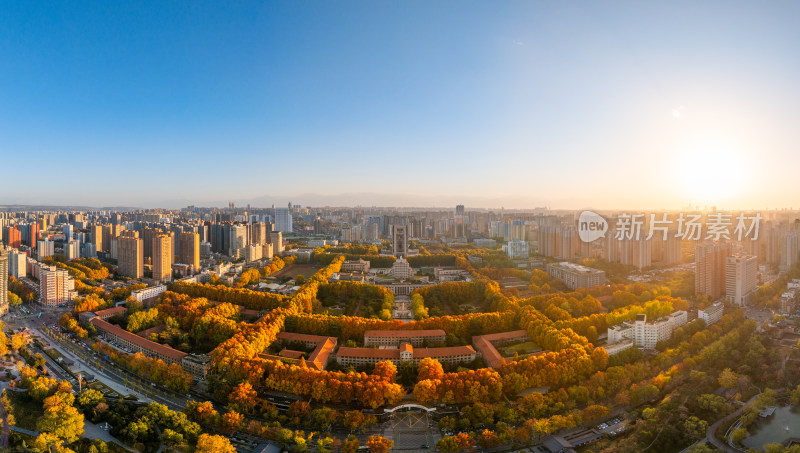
[
  {"x": 162, "y": 257},
  {"x": 740, "y": 278},
  {"x": 130, "y": 254}
]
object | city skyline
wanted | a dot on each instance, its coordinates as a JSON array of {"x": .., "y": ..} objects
[{"x": 569, "y": 106}]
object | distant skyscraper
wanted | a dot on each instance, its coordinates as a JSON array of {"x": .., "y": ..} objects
[
  {"x": 740, "y": 278},
  {"x": 283, "y": 220},
  {"x": 460, "y": 210},
  {"x": 710, "y": 264},
  {"x": 399, "y": 241},
  {"x": 131, "y": 254},
  {"x": 162, "y": 257}
]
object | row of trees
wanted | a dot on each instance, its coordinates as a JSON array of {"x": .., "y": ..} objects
[
  {"x": 254, "y": 300},
  {"x": 171, "y": 376}
]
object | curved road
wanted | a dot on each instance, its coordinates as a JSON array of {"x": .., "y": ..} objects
[{"x": 710, "y": 433}]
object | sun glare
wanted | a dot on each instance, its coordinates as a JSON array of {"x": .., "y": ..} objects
[{"x": 711, "y": 173}]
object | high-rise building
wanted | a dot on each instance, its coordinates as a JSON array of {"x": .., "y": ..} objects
[
  {"x": 46, "y": 248},
  {"x": 162, "y": 257},
  {"x": 740, "y": 278},
  {"x": 67, "y": 229},
  {"x": 72, "y": 249},
  {"x": 55, "y": 286},
  {"x": 12, "y": 236},
  {"x": 710, "y": 262},
  {"x": 283, "y": 220},
  {"x": 276, "y": 240},
  {"x": 399, "y": 241},
  {"x": 190, "y": 250},
  {"x": 789, "y": 251},
  {"x": 237, "y": 240},
  {"x": 17, "y": 263},
  {"x": 130, "y": 248},
  {"x": 3, "y": 280},
  {"x": 636, "y": 252},
  {"x": 97, "y": 237},
  {"x": 258, "y": 233}
]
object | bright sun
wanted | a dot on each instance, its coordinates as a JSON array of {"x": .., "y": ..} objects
[{"x": 711, "y": 173}]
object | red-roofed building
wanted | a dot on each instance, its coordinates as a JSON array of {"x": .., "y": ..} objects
[
  {"x": 486, "y": 345},
  {"x": 406, "y": 353},
  {"x": 109, "y": 312},
  {"x": 323, "y": 347},
  {"x": 396, "y": 337},
  {"x": 196, "y": 364}
]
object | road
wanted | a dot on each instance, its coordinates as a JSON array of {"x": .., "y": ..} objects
[
  {"x": 103, "y": 370},
  {"x": 711, "y": 436}
]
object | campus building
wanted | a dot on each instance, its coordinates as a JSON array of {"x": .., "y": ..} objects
[
  {"x": 576, "y": 276},
  {"x": 647, "y": 334},
  {"x": 711, "y": 314},
  {"x": 486, "y": 345},
  {"x": 404, "y": 353},
  {"x": 396, "y": 337},
  {"x": 198, "y": 365}
]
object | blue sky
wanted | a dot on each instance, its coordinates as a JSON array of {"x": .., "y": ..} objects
[{"x": 566, "y": 104}]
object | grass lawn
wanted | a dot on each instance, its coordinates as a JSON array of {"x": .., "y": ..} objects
[
  {"x": 26, "y": 411},
  {"x": 527, "y": 347}
]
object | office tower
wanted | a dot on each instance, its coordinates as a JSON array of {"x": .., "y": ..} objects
[
  {"x": 258, "y": 233},
  {"x": 130, "y": 249},
  {"x": 46, "y": 248},
  {"x": 399, "y": 241},
  {"x": 190, "y": 250},
  {"x": 162, "y": 257},
  {"x": 740, "y": 278},
  {"x": 276, "y": 239},
  {"x": 460, "y": 210},
  {"x": 710, "y": 263},
  {"x": 55, "y": 286},
  {"x": 3, "y": 280},
  {"x": 97, "y": 237},
  {"x": 72, "y": 249},
  {"x": 283, "y": 220}
]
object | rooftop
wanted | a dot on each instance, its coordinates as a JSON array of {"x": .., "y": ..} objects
[
  {"x": 137, "y": 340},
  {"x": 405, "y": 333}
]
